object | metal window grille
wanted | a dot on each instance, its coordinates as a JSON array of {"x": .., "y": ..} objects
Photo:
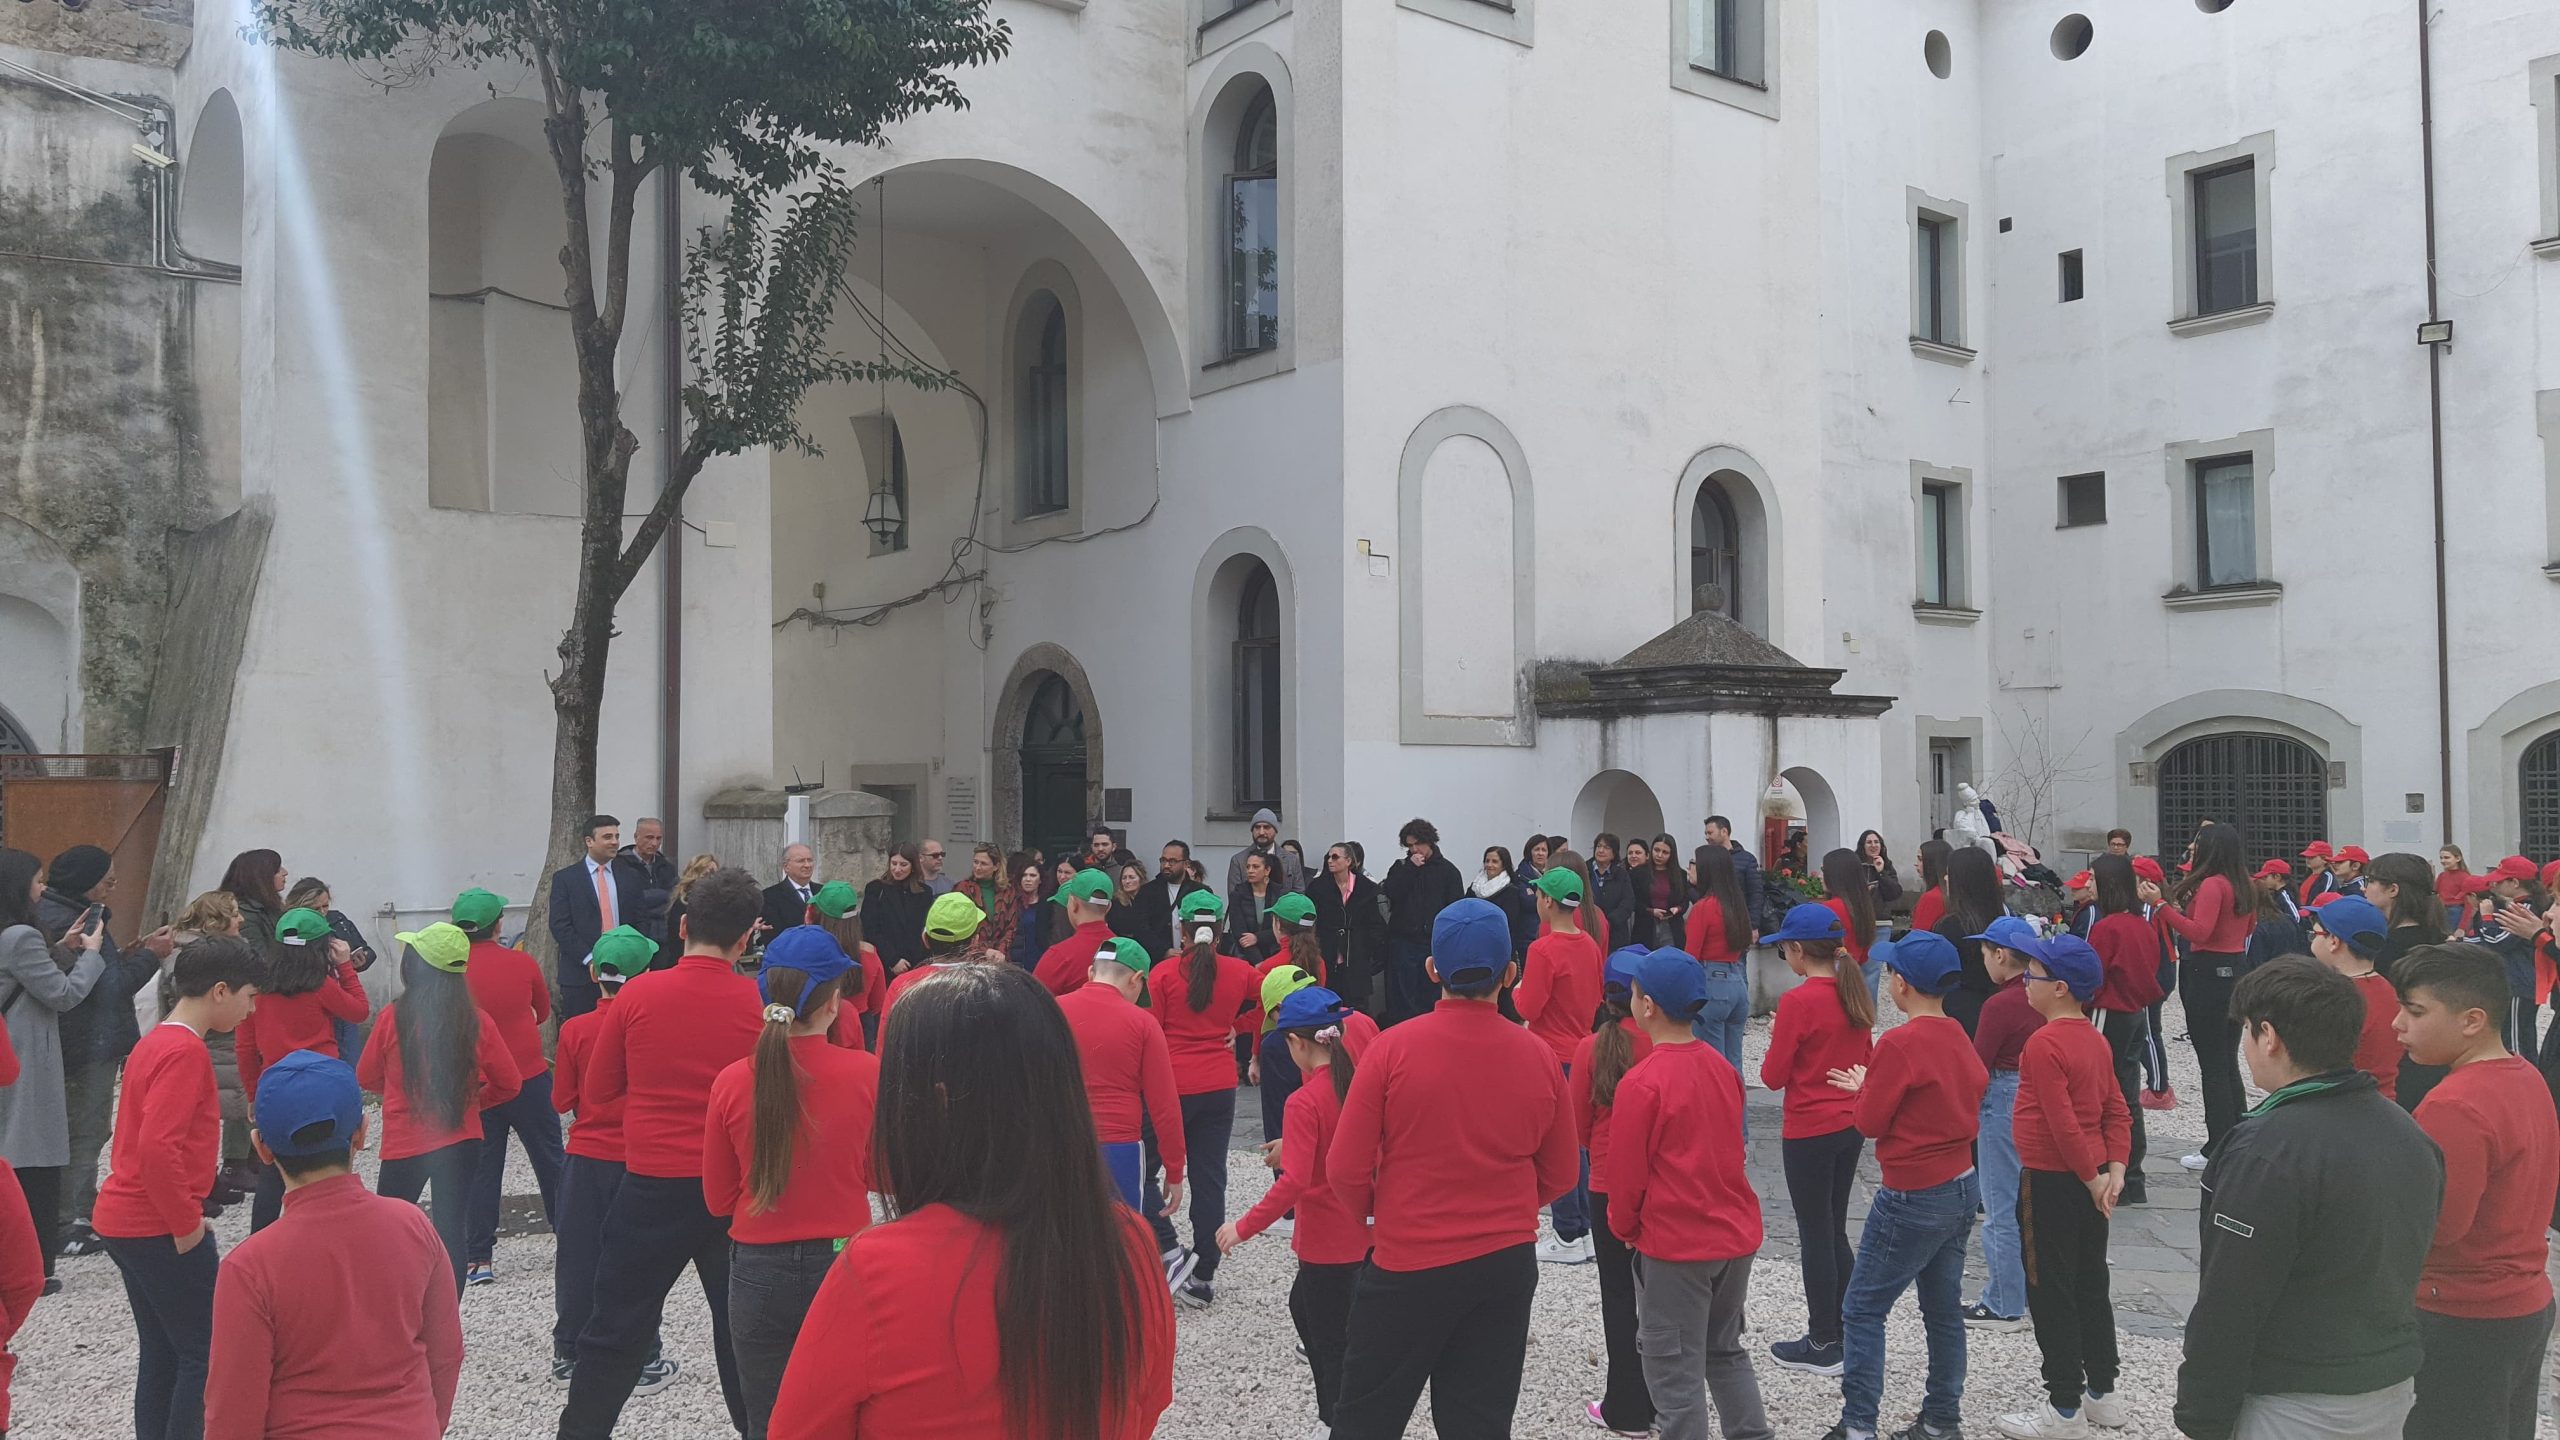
[
  {"x": 2274, "y": 787},
  {"x": 2538, "y": 795}
]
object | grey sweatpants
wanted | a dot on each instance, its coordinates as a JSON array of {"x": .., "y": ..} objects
[
  {"x": 1689, "y": 1333},
  {"x": 2374, "y": 1415}
]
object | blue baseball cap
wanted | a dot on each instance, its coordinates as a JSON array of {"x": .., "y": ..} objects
[
  {"x": 808, "y": 949},
  {"x": 2355, "y": 920},
  {"x": 1808, "y": 922},
  {"x": 1674, "y": 980},
  {"x": 2069, "y": 959},
  {"x": 1311, "y": 1008},
  {"x": 1620, "y": 973},
  {"x": 2009, "y": 932},
  {"x": 1470, "y": 942},
  {"x": 1925, "y": 959},
  {"x": 307, "y": 1104}
]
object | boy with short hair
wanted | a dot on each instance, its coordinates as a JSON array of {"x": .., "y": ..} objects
[
  {"x": 1680, "y": 1199},
  {"x": 2347, "y": 935},
  {"x": 2073, "y": 1133},
  {"x": 339, "y": 1319},
  {"x": 593, "y": 1170},
  {"x": 1920, "y": 1100},
  {"x": 1559, "y": 990},
  {"x": 2484, "y": 1299},
  {"x": 161, "y": 1161},
  {"x": 509, "y": 987}
]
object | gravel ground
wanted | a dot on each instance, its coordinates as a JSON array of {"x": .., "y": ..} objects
[{"x": 1238, "y": 1372}]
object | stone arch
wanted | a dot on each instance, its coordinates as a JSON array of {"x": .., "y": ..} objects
[
  {"x": 1217, "y": 588},
  {"x": 2338, "y": 741},
  {"x": 1013, "y": 711},
  {"x": 39, "y": 637},
  {"x": 1516, "y": 725},
  {"x": 2496, "y": 749},
  {"x": 1822, "y": 831},
  {"x": 1745, "y": 487},
  {"x": 1617, "y": 801}
]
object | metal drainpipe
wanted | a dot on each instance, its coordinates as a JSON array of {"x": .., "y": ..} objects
[
  {"x": 671, "y": 548},
  {"x": 2435, "y": 427}
]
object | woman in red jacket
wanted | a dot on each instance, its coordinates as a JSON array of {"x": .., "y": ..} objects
[
  {"x": 2129, "y": 948},
  {"x": 1198, "y": 995},
  {"x": 1011, "y": 1293},
  {"x": 311, "y": 985},
  {"x": 2212, "y": 909}
]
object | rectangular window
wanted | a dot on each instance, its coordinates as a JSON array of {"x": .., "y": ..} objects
[
  {"x": 1253, "y": 263},
  {"x": 1938, "y": 541},
  {"x": 1725, "y": 38},
  {"x": 2226, "y": 522},
  {"x": 2082, "y": 500},
  {"x": 2226, "y": 237},
  {"x": 1933, "y": 311},
  {"x": 2071, "y": 286}
]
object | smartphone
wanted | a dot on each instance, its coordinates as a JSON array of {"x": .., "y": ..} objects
[{"x": 91, "y": 916}]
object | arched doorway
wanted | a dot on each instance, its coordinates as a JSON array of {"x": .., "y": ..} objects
[
  {"x": 2274, "y": 787},
  {"x": 1619, "y": 803},
  {"x": 1053, "y": 767},
  {"x": 2538, "y": 794}
]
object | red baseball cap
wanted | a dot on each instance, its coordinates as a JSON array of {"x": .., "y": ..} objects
[
  {"x": 2275, "y": 867},
  {"x": 2316, "y": 850},
  {"x": 2551, "y": 875},
  {"x": 2320, "y": 900},
  {"x": 2354, "y": 853},
  {"x": 2475, "y": 884},
  {"x": 2083, "y": 878},
  {"x": 2146, "y": 868},
  {"x": 2514, "y": 867}
]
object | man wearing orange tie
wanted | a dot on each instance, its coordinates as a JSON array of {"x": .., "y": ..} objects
[{"x": 587, "y": 899}]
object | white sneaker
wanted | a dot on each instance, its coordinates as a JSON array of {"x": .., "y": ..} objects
[
  {"x": 1552, "y": 1251},
  {"x": 2107, "y": 1412},
  {"x": 2192, "y": 1162},
  {"x": 2044, "y": 1423}
]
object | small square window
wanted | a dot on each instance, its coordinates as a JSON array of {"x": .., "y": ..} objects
[
  {"x": 2082, "y": 500},
  {"x": 2072, "y": 288}
]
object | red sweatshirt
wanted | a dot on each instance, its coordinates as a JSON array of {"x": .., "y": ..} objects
[
  {"x": 1707, "y": 944},
  {"x": 1929, "y": 909},
  {"x": 2130, "y": 947},
  {"x": 598, "y": 1133},
  {"x": 900, "y": 1343},
  {"x": 21, "y": 1278},
  {"x": 1922, "y": 1102},
  {"x": 1559, "y": 990},
  {"x": 1676, "y": 1187},
  {"x": 283, "y": 1024},
  {"x": 871, "y": 997},
  {"x": 1590, "y": 1119},
  {"x": 2493, "y": 1121},
  {"x": 2378, "y": 1049},
  {"x": 1128, "y": 1072},
  {"x": 1065, "y": 966},
  {"x": 404, "y": 1131},
  {"x": 2071, "y": 1116},
  {"x": 828, "y": 1196},
  {"x": 167, "y": 1141},
  {"x": 2000, "y": 1034},
  {"x": 1811, "y": 1038},
  {"x": 1202, "y": 1041},
  {"x": 509, "y": 987},
  {"x": 664, "y": 1042},
  {"x": 1326, "y": 1234},
  {"x": 1856, "y": 942},
  {"x": 2208, "y": 920},
  {"x": 337, "y": 1321},
  {"x": 1455, "y": 1133}
]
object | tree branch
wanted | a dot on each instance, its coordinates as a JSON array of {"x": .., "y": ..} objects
[
  {"x": 689, "y": 462},
  {"x": 627, "y": 175}
]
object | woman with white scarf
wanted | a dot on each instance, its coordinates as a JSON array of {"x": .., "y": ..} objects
[{"x": 1499, "y": 886}]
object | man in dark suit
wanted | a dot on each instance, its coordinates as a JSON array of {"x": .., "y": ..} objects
[
  {"x": 653, "y": 873},
  {"x": 587, "y": 899},
  {"x": 1162, "y": 895},
  {"x": 786, "y": 901}
]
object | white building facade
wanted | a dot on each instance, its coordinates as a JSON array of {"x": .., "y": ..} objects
[{"x": 1339, "y": 382}]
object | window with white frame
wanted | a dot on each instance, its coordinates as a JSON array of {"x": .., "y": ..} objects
[
  {"x": 2226, "y": 237},
  {"x": 2545, "y": 75},
  {"x": 1937, "y": 276},
  {"x": 2224, "y": 261},
  {"x": 1727, "y": 50},
  {"x": 1942, "y": 550},
  {"x": 2221, "y": 528},
  {"x": 1253, "y": 232},
  {"x": 1938, "y": 538},
  {"x": 2226, "y": 511},
  {"x": 1044, "y": 476}
]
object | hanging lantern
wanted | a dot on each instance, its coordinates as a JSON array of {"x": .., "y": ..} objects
[{"x": 882, "y": 517}]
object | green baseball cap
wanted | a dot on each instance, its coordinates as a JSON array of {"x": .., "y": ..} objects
[
  {"x": 442, "y": 945},
  {"x": 1122, "y": 950},
  {"x": 836, "y": 900},
  {"x": 622, "y": 951},
  {"x": 1202, "y": 905},
  {"x": 1280, "y": 984},
  {"x": 301, "y": 927},
  {"x": 1560, "y": 885},
  {"x": 1294, "y": 909},
  {"x": 1087, "y": 885},
  {"x": 476, "y": 908},
  {"x": 953, "y": 917}
]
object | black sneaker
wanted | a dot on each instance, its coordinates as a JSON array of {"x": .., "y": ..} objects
[
  {"x": 1195, "y": 1292},
  {"x": 52, "y": 1285},
  {"x": 1923, "y": 1430},
  {"x": 1810, "y": 1358},
  {"x": 562, "y": 1366},
  {"x": 1983, "y": 1317},
  {"x": 655, "y": 1376},
  {"x": 82, "y": 1241}
]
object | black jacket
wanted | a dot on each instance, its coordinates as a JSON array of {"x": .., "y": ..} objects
[
  {"x": 650, "y": 882},
  {"x": 783, "y": 908},
  {"x": 1356, "y": 927},
  {"x": 1616, "y": 898},
  {"x": 893, "y": 921},
  {"x": 102, "y": 1025},
  {"x": 1416, "y": 894},
  {"x": 2318, "y": 1210},
  {"x": 1650, "y": 932},
  {"x": 1155, "y": 905},
  {"x": 1244, "y": 917}
]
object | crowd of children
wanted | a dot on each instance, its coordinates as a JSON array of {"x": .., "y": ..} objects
[{"x": 1035, "y": 1132}]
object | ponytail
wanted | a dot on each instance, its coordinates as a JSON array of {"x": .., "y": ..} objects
[
  {"x": 1337, "y": 1055},
  {"x": 775, "y": 1122},
  {"x": 1201, "y": 970},
  {"x": 1856, "y": 1000},
  {"x": 1613, "y": 1051},
  {"x": 1306, "y": 952}
]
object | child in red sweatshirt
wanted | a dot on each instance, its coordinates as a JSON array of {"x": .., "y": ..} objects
[
  {"x": 1825, "y": 1025},
  {"x": 2484, "y": 1304},
  {"x": 1920, "y": 1100},
  {"x": 2072, "y": 1131},
  {"x": 150, "y": 1212},
  {"x": 1683, "y": 1202},
  {"x": 509, "y": 987},
  {"x": 593, "y": 1170},
  {"x": 310, "y": 987},
  {"x": 2347, "y": 936},
  {"x": 1558, "y": 992},
  {"x": 1604, "y": 1057}
]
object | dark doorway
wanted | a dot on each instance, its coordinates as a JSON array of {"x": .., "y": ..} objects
[
  {"x": 1053, "y": 770},
  {"x": 2274, "y": 787}
]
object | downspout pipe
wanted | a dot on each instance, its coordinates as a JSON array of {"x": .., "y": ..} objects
[
  {"x": 671, "y": 550},
  {"x": 2435, "y": 429}
]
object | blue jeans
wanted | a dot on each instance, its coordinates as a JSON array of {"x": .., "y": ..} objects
[
  {"x": 1873, "y": 970},
  {"x": 2004, "y": 1290},
  {"x": 1727, "y": 1011},
  {"x": 1911, "y": 1235},
  {"x": 1571, "y": 1211}
]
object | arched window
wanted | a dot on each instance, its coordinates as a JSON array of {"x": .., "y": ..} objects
[
  {"x": 1044, "y": 474},
  {"x": 2538, "y": 785},
  {"x": 1257, "y": 693},
  {"x": 1253, "y": 231},
  {"x": 1715, "y": 554},
  {"x": 2274, "y": 787},
  {"x": 14, "y": 739}
]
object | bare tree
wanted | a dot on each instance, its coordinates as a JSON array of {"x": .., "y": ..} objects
[{"x": 2027, "y": 790}]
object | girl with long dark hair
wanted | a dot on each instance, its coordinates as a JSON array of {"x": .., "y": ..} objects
[
  {"x": 1600, "y": 1061},
  {"x": 1017, "y": 1294},
  {"x": 308, "y": 994},
  {"x": 1974, "y": 900},
  {"x": 1931, "y": 907},
  {"x": 1823, "y": 1025},
  {"x": 1203, "y": 999},
  {"x": 1330, "y": 1241},
  {"x": 257, "y": 879},
  {"x": 437, "y": 1060},
  {"x": 1662, "y": 894},
  {"x": 1024, "y": 942},
  {"x": 1720, "y": 939},
  {"x": 2129, "y": 948},
  {"x": 893, "y": 909},
  {"x": 787, "y": 1156},
  {"x": 1250, "y": 936},
  {"x": 1846, "y": 877},
  {"x": 1883, "y": 884},
  {"x": 2211, "y": 908}
]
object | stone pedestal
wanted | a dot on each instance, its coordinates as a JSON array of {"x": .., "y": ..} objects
[
  {"x": 850, "y": 831},
  {"x": 744, "y": 828}
]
